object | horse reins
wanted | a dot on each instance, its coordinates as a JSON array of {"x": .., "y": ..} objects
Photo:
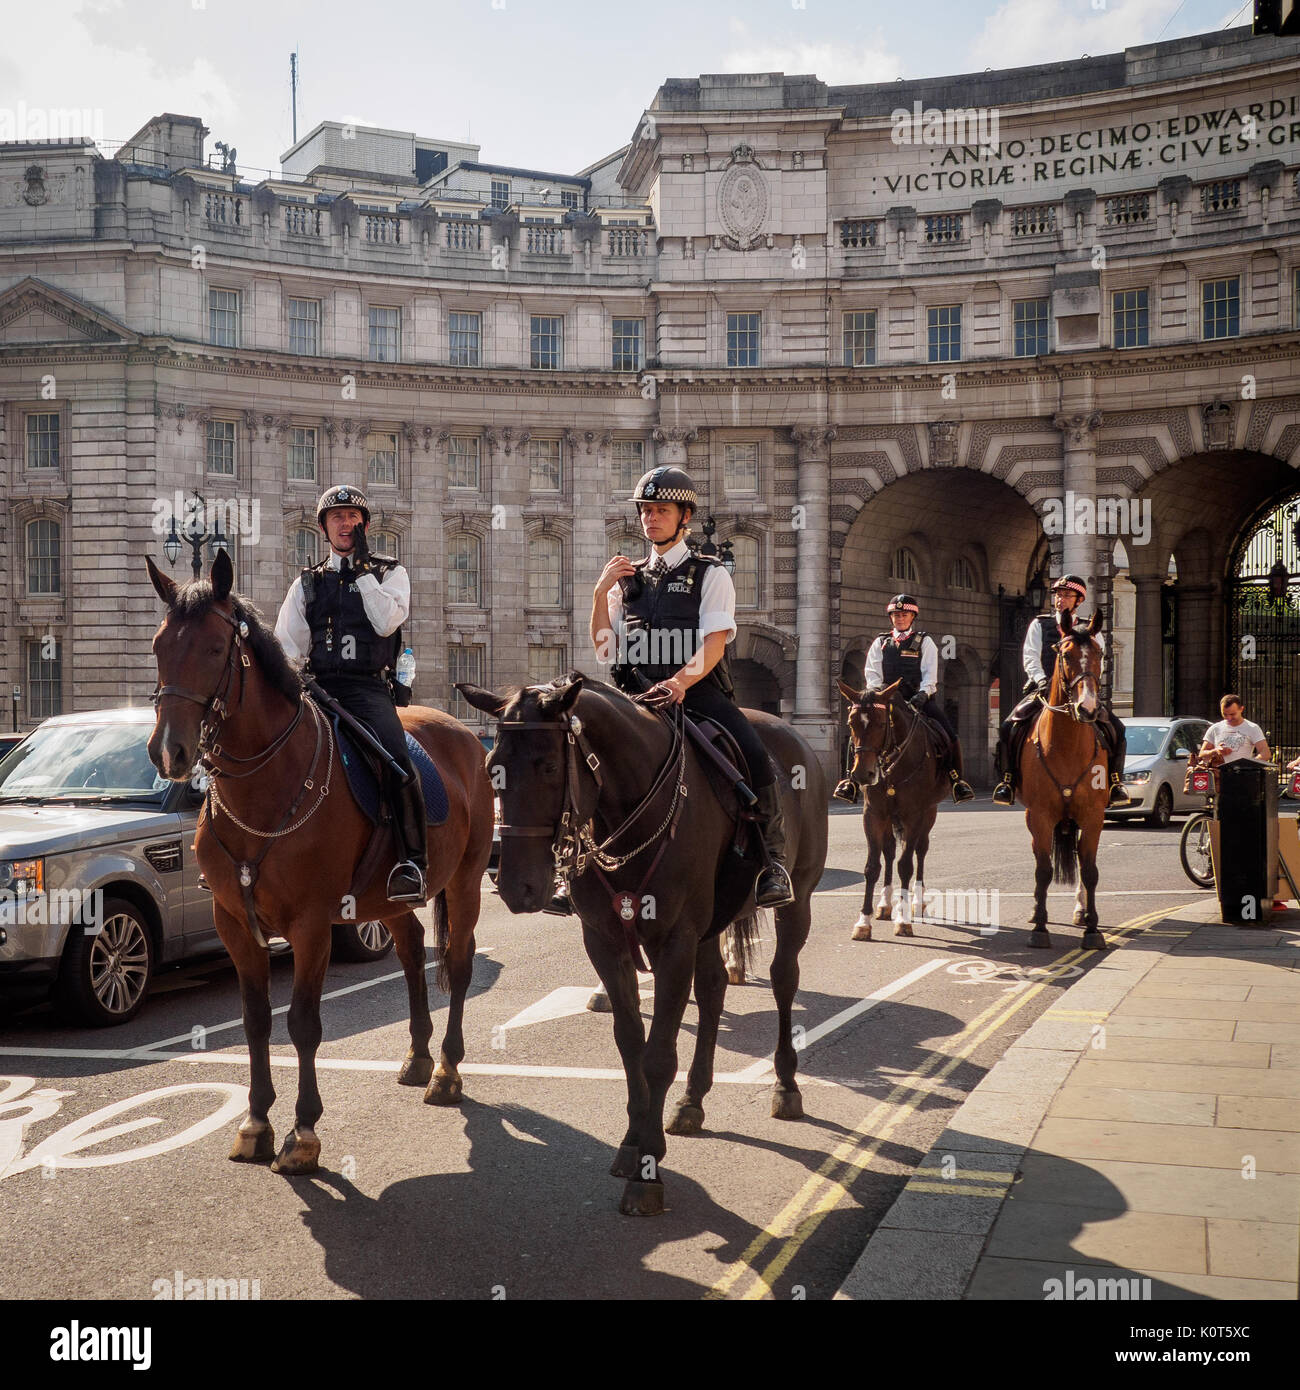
[
  {"x": 885, "y": 769},
  {"x": 573, "y": 843},
  {"x": 1068, "y": 708}
]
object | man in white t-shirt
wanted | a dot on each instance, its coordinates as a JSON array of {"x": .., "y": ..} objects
[{"x": 1234, "y": 736}]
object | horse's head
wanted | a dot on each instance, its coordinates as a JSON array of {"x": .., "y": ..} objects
[
  {"x": 869, "y": 722},
  {"x": 1077, "y": 678},
  {"x": 533, "y": 772}
]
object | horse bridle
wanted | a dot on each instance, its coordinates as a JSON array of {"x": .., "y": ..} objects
[
  {"x": 573, "y": 844},
  {"x": 884, "y": 766},
  {"x": 1084, "y": 674},
  {"x": 217, "y": 704}
]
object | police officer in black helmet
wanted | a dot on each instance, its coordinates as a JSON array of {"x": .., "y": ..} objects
[
  {"x": 344, "y": 616},
  {"x": 676, "y": 612}
]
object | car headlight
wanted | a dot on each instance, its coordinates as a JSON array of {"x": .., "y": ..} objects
[
  {"x": 1137, "y": 777},
  {"x": 22, "y": 877}
]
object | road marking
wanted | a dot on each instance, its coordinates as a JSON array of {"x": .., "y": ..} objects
[
  {"x": 1028, "y": 893},
  {"x": 759, "y": 1070},
  {"x": 564, "y": 1002},
  {"x": 803, "y": 1214}
]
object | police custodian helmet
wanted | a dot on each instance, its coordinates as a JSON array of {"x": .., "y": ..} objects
[
  {"x": 342, "y": 496},
  {"x": 665, "y": 485},
  {"x": 1073, "y": 584},
  {"x": 903, "y": 603}
]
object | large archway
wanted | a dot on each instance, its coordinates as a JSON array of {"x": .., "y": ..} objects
[{"x": 964, "y": 545}]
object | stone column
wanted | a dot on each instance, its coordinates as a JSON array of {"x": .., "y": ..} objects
[
  {"x": 813, "y": 715},
  {"x": 1079, "y": 545},
  {"x": 1148, "y": 654},
  {"x": 670, "y": 446}
]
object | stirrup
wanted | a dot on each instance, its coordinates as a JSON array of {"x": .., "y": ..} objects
[
  {"x": 1118, "y": 798},
  {"x": 778, "y": 890},
  {"x": 406, "y": 883},
  {"x": 561, "y": 905},
  {"x": 847, "y": 790},
  {"x": 962, "y": 791},
  {"x": 1004, "y": 794}
]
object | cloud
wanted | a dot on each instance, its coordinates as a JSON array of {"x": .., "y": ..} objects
[
  {"x": 838, "y": 63},
  {"x": 1023, "y": 32}
]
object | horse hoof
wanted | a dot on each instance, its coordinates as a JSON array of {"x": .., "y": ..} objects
[
  {"x": 904, "y": 929},
  {"x": 599, "y": 1002},
  {"x": 254, "y": 1146},
  {"x": 786, "y": 1105},
  {"x": 862, "y": 928},
  {"x": 735, "y": 975},
  {"x": 625, "y": 1162},
  {"x": 1093, "y": 940},
  {"x": 1080, "y": 918},
  {"x": 444, "y": 1089},
  {"x": 642, "y": 1199},
  {"x": 299, "y": 1154},
  {"x": 687, "y": 1119},
  {"x": 416, "y": 1071},
  {"x": 1041, "y": 939},
  {"x": 884, "y": 913}
]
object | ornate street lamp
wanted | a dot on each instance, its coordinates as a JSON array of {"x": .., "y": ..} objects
[
  {"x": 723, "y": 552},
  {"x": 195, "y": 538}
]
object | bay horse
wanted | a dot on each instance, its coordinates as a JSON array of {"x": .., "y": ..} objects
[
  {"x": 1064, "y": 782},
  {"x": 227, "y": 696},
  {"x": 613, "y": 796},
  {"x": 896, "y": 761}
]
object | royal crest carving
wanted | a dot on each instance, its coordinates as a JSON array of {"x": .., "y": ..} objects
[{"x": 743, "y": 200}]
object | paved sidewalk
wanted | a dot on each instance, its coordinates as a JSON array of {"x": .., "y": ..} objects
[{"x": 1146, "y": 1127}]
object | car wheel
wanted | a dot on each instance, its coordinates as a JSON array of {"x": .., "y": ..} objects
[
  {"x": 104, "y": 976},
  {"x": 361, "y": 941},
  {"x": 1163, "y": 810}
]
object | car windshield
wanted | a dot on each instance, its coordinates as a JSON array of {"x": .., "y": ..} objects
[
  {"x": 1145, "y": 740},
  {"x": 82, "y": 762}
]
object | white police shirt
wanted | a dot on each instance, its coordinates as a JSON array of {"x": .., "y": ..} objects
[
  {"x": 387, "y": 605},
  {"x": 717, "y": 597},
  {"x": 1032, "y": 654},
  {"x": 875, "y": 669}
]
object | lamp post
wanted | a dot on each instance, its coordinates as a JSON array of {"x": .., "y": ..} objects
[
  {"x": 17, "y": 700},
  {"x": 723, "y": 552},
  {"x": 195, "y": 538}
]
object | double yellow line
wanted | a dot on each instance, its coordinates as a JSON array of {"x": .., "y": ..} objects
[{"x": 799, "y": 1219}]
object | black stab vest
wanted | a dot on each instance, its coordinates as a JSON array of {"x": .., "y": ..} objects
[
  {"x": 661, "y": 623},
  {"x": 1051, "y": 635},
  {"x": 336, "y": 611},
  {"x": 901, "y": 661}
]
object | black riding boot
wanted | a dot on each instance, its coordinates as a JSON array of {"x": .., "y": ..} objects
[
  {"x": 1118, "y": 798},
  {"x": 1004, "y": 793},
  {"x": 406, "y": 883},
  {"x": 773, "y": 888},
  {"x": 961, "y": 788}
]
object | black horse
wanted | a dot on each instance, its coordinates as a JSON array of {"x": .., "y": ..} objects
[{"x": 614, "y": 795}]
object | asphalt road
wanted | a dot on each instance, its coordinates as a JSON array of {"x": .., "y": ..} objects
[{"x": 508, "y": 1195}]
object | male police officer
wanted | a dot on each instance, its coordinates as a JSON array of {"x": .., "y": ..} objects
[
  {"x": 673, "y": 614},
  {"x": 1039, "y": 657},
  {"x": 912, "y": 659},
  {"x": 345, "y": 616}
]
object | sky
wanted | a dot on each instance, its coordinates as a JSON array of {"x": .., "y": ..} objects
[{"x": 545, "y": 84}]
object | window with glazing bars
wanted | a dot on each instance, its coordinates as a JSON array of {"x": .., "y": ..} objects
[
  {"x": 381, "y": 457},
  {"x": 860, "y": 338},
  {"x": 464, "y": 568},
  {"x": 44, "y": 680},
  {"x": 385, "y": 333},
  {"x": 465, "y": 334},
  {"x": 546, "y": 341},
  {"x": 1129, "y": 316},
  {"x": 464, "y": 664},
  {"x": 545, "y": 579},
  {"x": 304, "y": 326},
  {"x": 1221, "y": 307},
  {"x": 463, "y": 461},
  {"x": 628, "y": 337},
  {"x": 302, "y": 453},
  {"x": 223, "y": 318},
  {"x": 43, "y": 440},
  {"x": 1029, "y": 320},
  {"x": 220, "y": 447},
  {"x": 744, "y": 337},
  {"x": 740, "y": 468},
  {"x": 545, "y": 470},
  {"x": 43, "y": 554},
  {"x": 626, "y": 465},
  {"x": 943, "y": 326}
]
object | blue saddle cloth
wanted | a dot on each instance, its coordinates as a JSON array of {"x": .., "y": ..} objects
[{"x": 365, "y": 784}]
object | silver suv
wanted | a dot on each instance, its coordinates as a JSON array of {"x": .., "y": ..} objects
[{"x": 98, "y": 882}]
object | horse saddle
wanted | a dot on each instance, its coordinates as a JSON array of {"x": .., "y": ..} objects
[
  {"x": 363, "y": 775},
  {"x": 943, "y": 745}
]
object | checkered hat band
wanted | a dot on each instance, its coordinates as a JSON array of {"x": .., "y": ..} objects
[
  {"x": 903, "y": 608},
  {"x": 667, "y": 494}
]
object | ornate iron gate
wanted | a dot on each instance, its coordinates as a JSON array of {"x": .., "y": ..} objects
[{"x": 1262, "y": 601}]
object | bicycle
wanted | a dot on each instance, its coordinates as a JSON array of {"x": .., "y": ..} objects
[{"x": 1194, "y": 846}]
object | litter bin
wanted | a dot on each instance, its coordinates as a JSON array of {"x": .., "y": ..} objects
[{"x": 1246, "y": 812}]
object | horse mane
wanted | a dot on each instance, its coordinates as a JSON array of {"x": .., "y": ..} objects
[{"x": 196, "y": 599}]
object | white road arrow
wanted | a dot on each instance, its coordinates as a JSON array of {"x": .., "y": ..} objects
[{"x": 559, "y": 1003}]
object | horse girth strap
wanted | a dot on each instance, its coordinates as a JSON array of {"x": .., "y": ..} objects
[{"x": 1066, "y": 792}]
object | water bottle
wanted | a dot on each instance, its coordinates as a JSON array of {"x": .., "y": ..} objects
[{"x": 406, "y": 667}]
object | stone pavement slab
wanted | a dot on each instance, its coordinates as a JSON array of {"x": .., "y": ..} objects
[{"x": 1143, "y": 1136}]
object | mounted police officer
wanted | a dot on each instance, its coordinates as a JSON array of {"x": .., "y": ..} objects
[
  {"x": 1039, "y": 657},
  {"x": 673, "y": 614},
  {"x": 345, "y": 617},
  {"x": 911, "y": 658}
]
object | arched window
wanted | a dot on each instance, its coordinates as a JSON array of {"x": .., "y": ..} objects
[
  {"x": 903, "y": 566},
  {"x": 961, "y": 574},
  {"x": 464, "y": 568},
  {"x": 385, "y": 543},
  {"x": 545, "y": 581},
  {"x": 44, "y": 542},
  {"x": 630, "y": 543},
  {"x": 304, "y": 547},
  {"x": 745, "y": 549}
]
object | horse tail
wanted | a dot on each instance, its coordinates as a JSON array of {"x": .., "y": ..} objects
[
  {"x": 743, "y": 937},
  {"x": 1065, "y": 851},
  {"x": 442, "y": 932}
]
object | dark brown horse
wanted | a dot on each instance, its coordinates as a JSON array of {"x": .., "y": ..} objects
[
  {"x": 613, "y": 795},
  {"x": 895, "y": 759},
  {"x": 1064, "y": 783},
  {"x": 279, "y": 814}
]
